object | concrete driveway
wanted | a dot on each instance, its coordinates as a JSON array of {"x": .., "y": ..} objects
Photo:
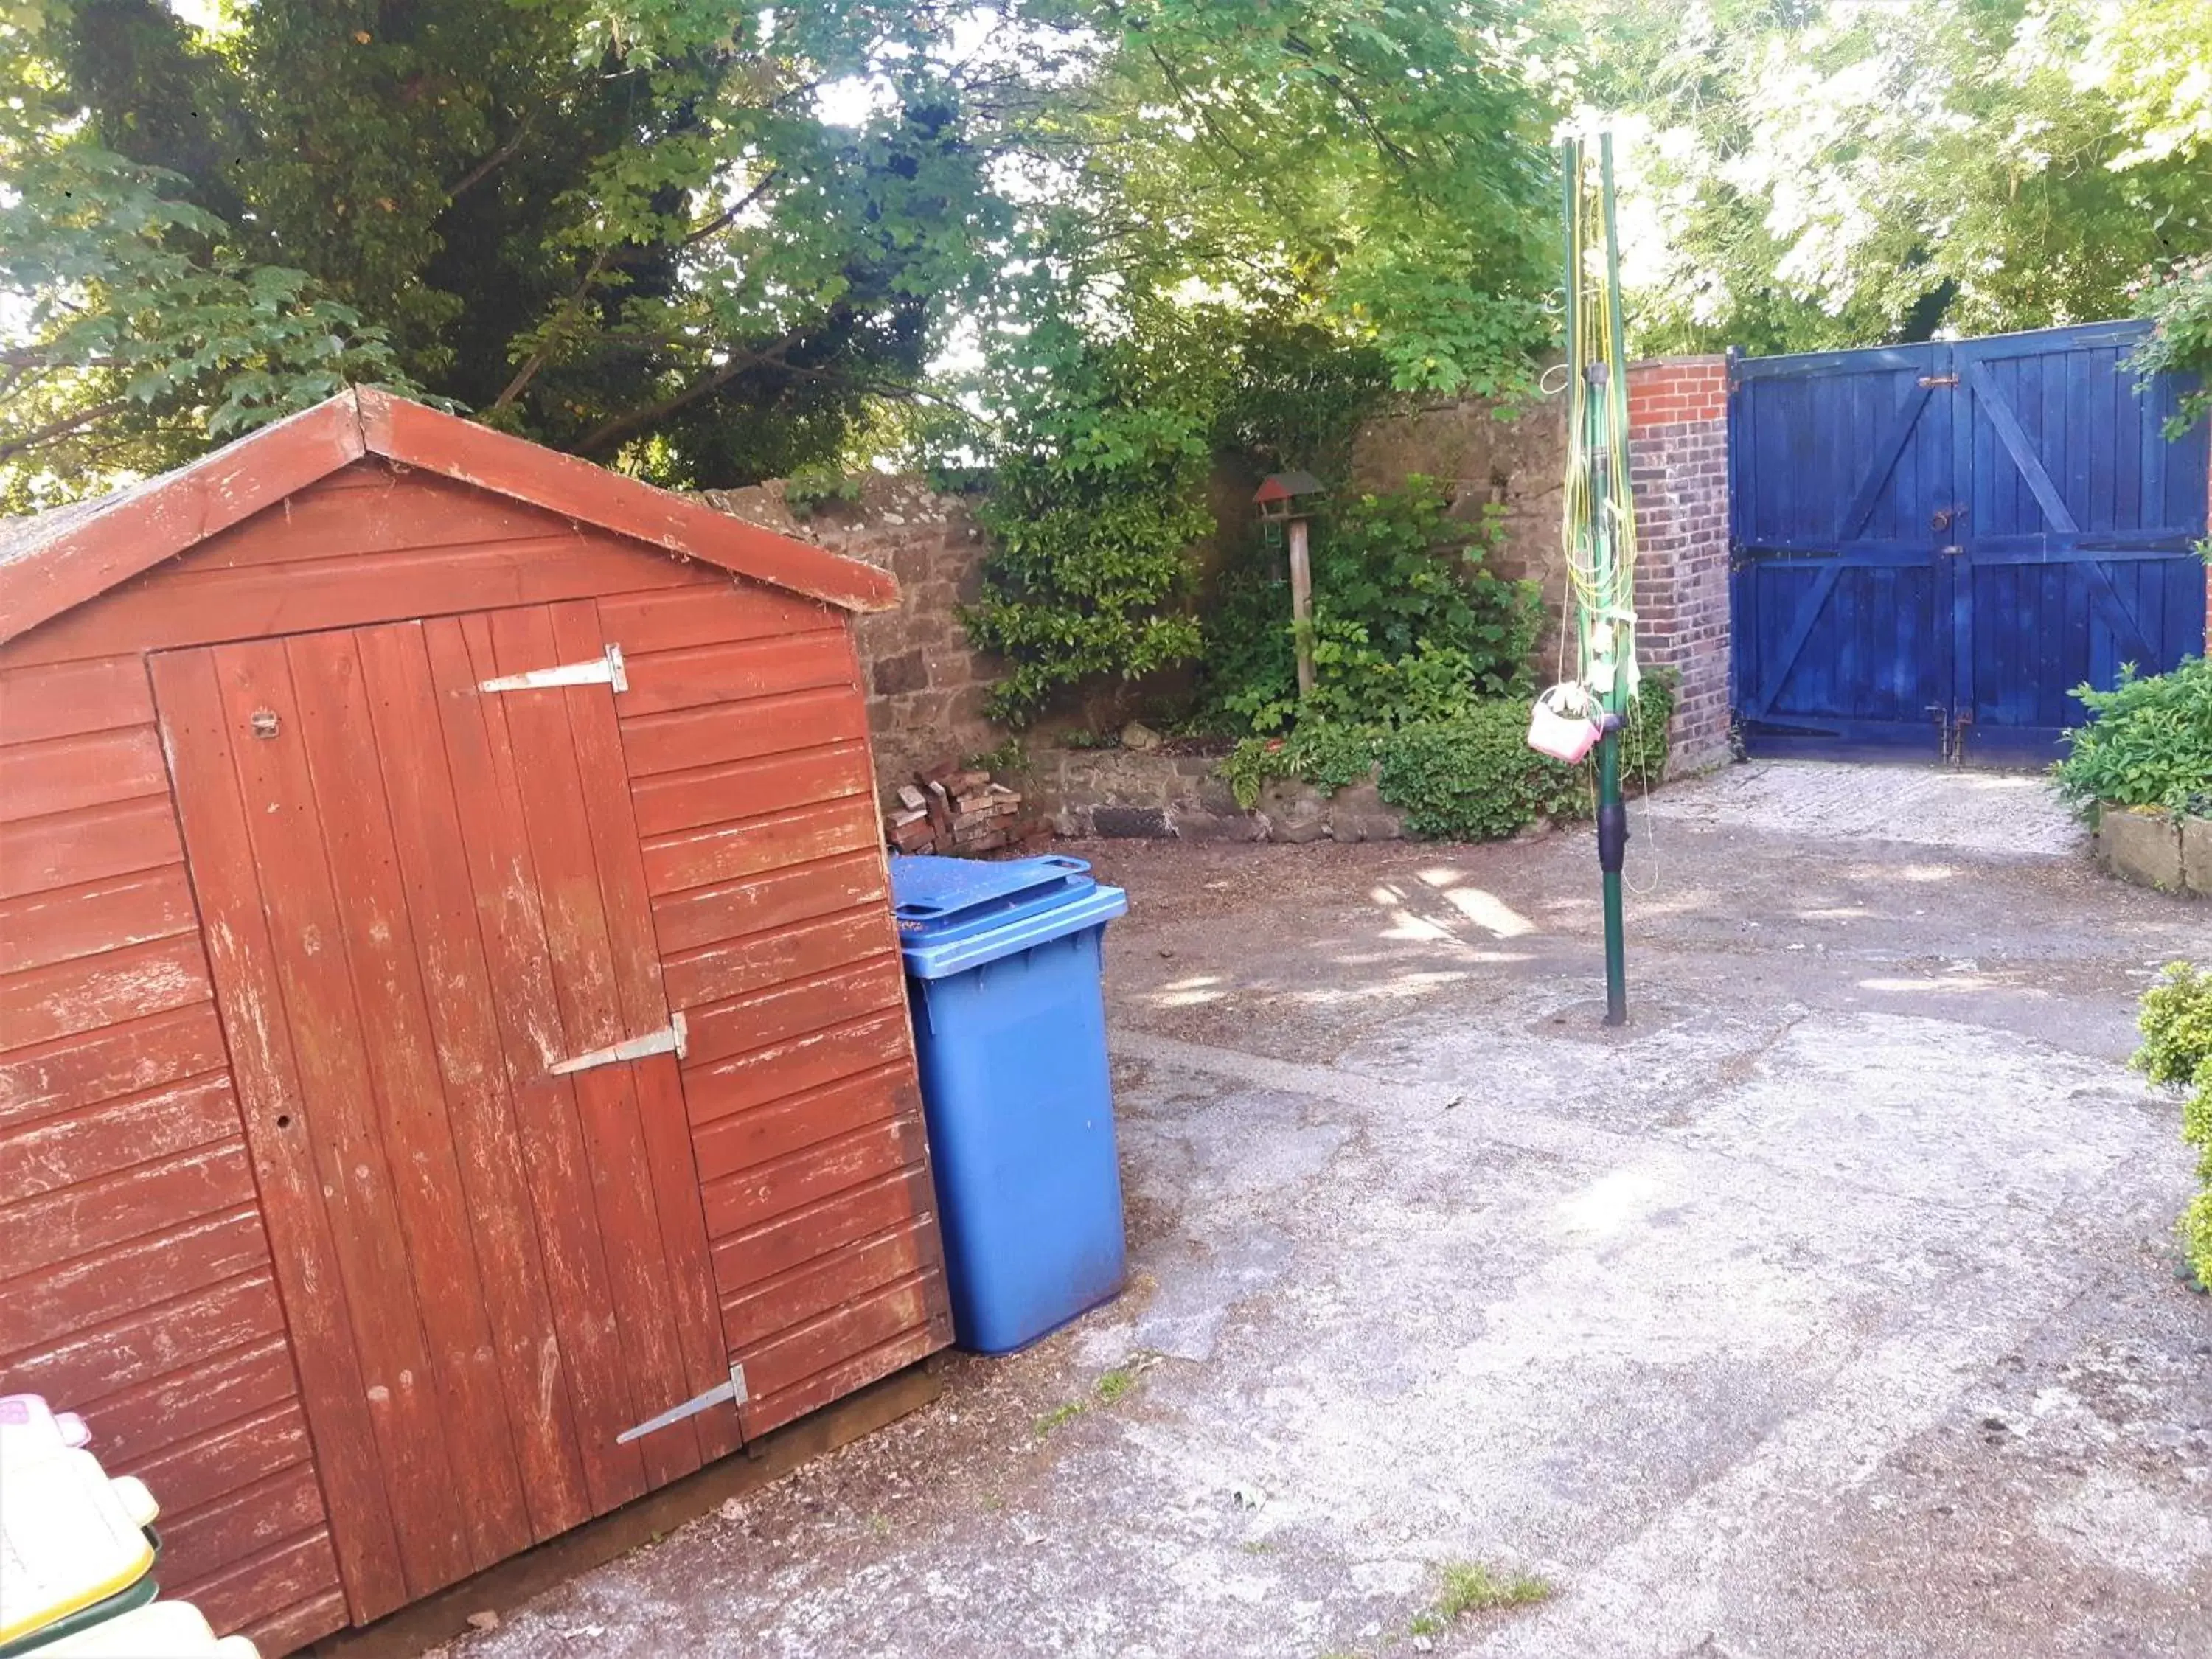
[{"x": 1830, "y": 1309}]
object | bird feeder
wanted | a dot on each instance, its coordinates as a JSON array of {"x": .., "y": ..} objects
[{"x": 1286, "y": 501}]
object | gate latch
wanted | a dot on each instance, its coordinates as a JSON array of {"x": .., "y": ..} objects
[{"x": 1951, "y": 379}]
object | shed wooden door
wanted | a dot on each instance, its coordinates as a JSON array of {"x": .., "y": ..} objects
[{"x": 420, "y": 897}]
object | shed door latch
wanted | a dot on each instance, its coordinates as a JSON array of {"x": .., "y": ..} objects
[
  {"x": 734, "y": 1391},
  {"x": 669, "y": 1040},
  {"x": 605, "y": 669}
]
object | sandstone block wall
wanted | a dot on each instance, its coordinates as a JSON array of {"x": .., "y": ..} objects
[{"x": 926, "y": 682}]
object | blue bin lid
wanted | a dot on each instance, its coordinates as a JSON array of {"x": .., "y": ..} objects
[{"x": 958, "y": 913}]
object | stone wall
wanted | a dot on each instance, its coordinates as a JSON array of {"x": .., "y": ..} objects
[
  {"x": 1677, "y": 460},
  {"x": 2157, "y": 849},
  {"x": 926, "y": 682},
  {"x": 1149, "y": 794},
  {"x": 1515, "y": 459},
  {"x": 927, "y": 685}
]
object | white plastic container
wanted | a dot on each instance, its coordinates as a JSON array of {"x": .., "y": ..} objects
[
  {"x": 159, "y": 1630},
  {"x": 30, "y": 1431},
  {"x": 68, "y": 1537}
]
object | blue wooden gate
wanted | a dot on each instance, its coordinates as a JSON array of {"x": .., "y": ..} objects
[{"x": 1933, "y": 544}]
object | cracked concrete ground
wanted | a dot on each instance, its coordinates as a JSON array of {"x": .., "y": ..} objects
[{"x": 1830, "y": 1309}]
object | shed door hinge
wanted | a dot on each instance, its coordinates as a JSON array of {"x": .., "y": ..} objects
[
  {"x": 669, "y": 1040},
  {"x": 1951, "y": 379},
  {"x": 599, "y": 670},
  {"x": 734, "y": 1391}
]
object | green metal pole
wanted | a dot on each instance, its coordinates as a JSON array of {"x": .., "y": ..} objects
[
  {"x": 1609, "y": 406},
  {"x": 1612, "y": 815},
  {"x": 1571, "y": 153}
]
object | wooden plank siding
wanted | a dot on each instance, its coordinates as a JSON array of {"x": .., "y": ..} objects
[
  {"x": 754, "y": 793},
  {"x": 140, "y": 1288},
  {"x": 145, "y": 1291}
]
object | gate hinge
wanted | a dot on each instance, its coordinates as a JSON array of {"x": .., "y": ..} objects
[
  {"x": 1951, "y": 379},
  {"x": 669, "y": 1040},
  {"x": 734, "y": 1391},
  {"x": 605, "y": 669}
]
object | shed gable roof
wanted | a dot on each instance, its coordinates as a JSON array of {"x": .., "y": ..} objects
[{"x": 59, "y": 560}]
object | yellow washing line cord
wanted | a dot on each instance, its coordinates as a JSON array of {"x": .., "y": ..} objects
[{"x": 1603, "y": 599}]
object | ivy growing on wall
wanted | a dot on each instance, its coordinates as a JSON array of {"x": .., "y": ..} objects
[
  {"x": 1409, "y": 621},
  {"x": 1095, "y": 502}
]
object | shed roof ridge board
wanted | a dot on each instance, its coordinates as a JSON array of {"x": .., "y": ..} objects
[{"x": 61, "y": 559}]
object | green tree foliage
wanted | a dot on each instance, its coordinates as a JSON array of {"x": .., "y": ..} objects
[
  {"x": 131, "y": 339},
  {"x": 633, "y": 229},
  {"x": 713, "y": 244},
  {"x": 1254, "y": 221},
  {"x": 1827, "y": 172}
]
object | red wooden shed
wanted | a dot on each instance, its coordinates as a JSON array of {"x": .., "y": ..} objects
[{"x": 449, "y": 1006}]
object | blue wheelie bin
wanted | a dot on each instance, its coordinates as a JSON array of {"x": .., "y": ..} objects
[{"x": 1002, "y": 967}]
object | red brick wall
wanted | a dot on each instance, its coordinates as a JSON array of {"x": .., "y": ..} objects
[
  {"x": 1677, "y": 391},
  {"x": 1678, "y": 461}
]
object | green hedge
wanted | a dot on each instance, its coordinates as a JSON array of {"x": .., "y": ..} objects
[
  {"x": 2176, "y": 1050},
  {"x": 1472, "y": 778},
  {"x": 2148, "y": 744}
]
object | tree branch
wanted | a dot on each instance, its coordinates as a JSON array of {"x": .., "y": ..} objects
[
  {"x": 1383, "y": 142},
  {"x": 569, "y": 307},
  {"x": 1205, "y": 115},
  {"x": 729, "y": 213},
  {"x": 536, "y": 360},
  {"x": 611, "y": 432},
  {"x": 491, "y": 163},
  {"x": 62, "y": 427}
]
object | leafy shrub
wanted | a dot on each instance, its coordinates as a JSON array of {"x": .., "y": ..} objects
[
  {"x": 1327, "y": 756},
  {"x": 1470, "y": 778},
  {"x": 1085, "y": 579},
  {"x": 2147, "y": 744},
  {"x": 1408, "y": 625},
  {"x": 1476, "y": 778},
  {"x": 2180, "y": 340},
  {"x": 2176, "y": 1021}
]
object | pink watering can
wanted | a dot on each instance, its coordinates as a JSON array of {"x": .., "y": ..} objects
[{"x": 1566, "y": 723}]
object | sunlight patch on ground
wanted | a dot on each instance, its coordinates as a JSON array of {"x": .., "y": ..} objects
[
  {"x": 1489, "y": 912},
  {"x": 1610, "y": 1203}
]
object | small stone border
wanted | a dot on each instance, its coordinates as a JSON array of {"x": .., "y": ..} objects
[
  {"x": 1129, "y": 794},
  {"x": 2151, "y": 847}
]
